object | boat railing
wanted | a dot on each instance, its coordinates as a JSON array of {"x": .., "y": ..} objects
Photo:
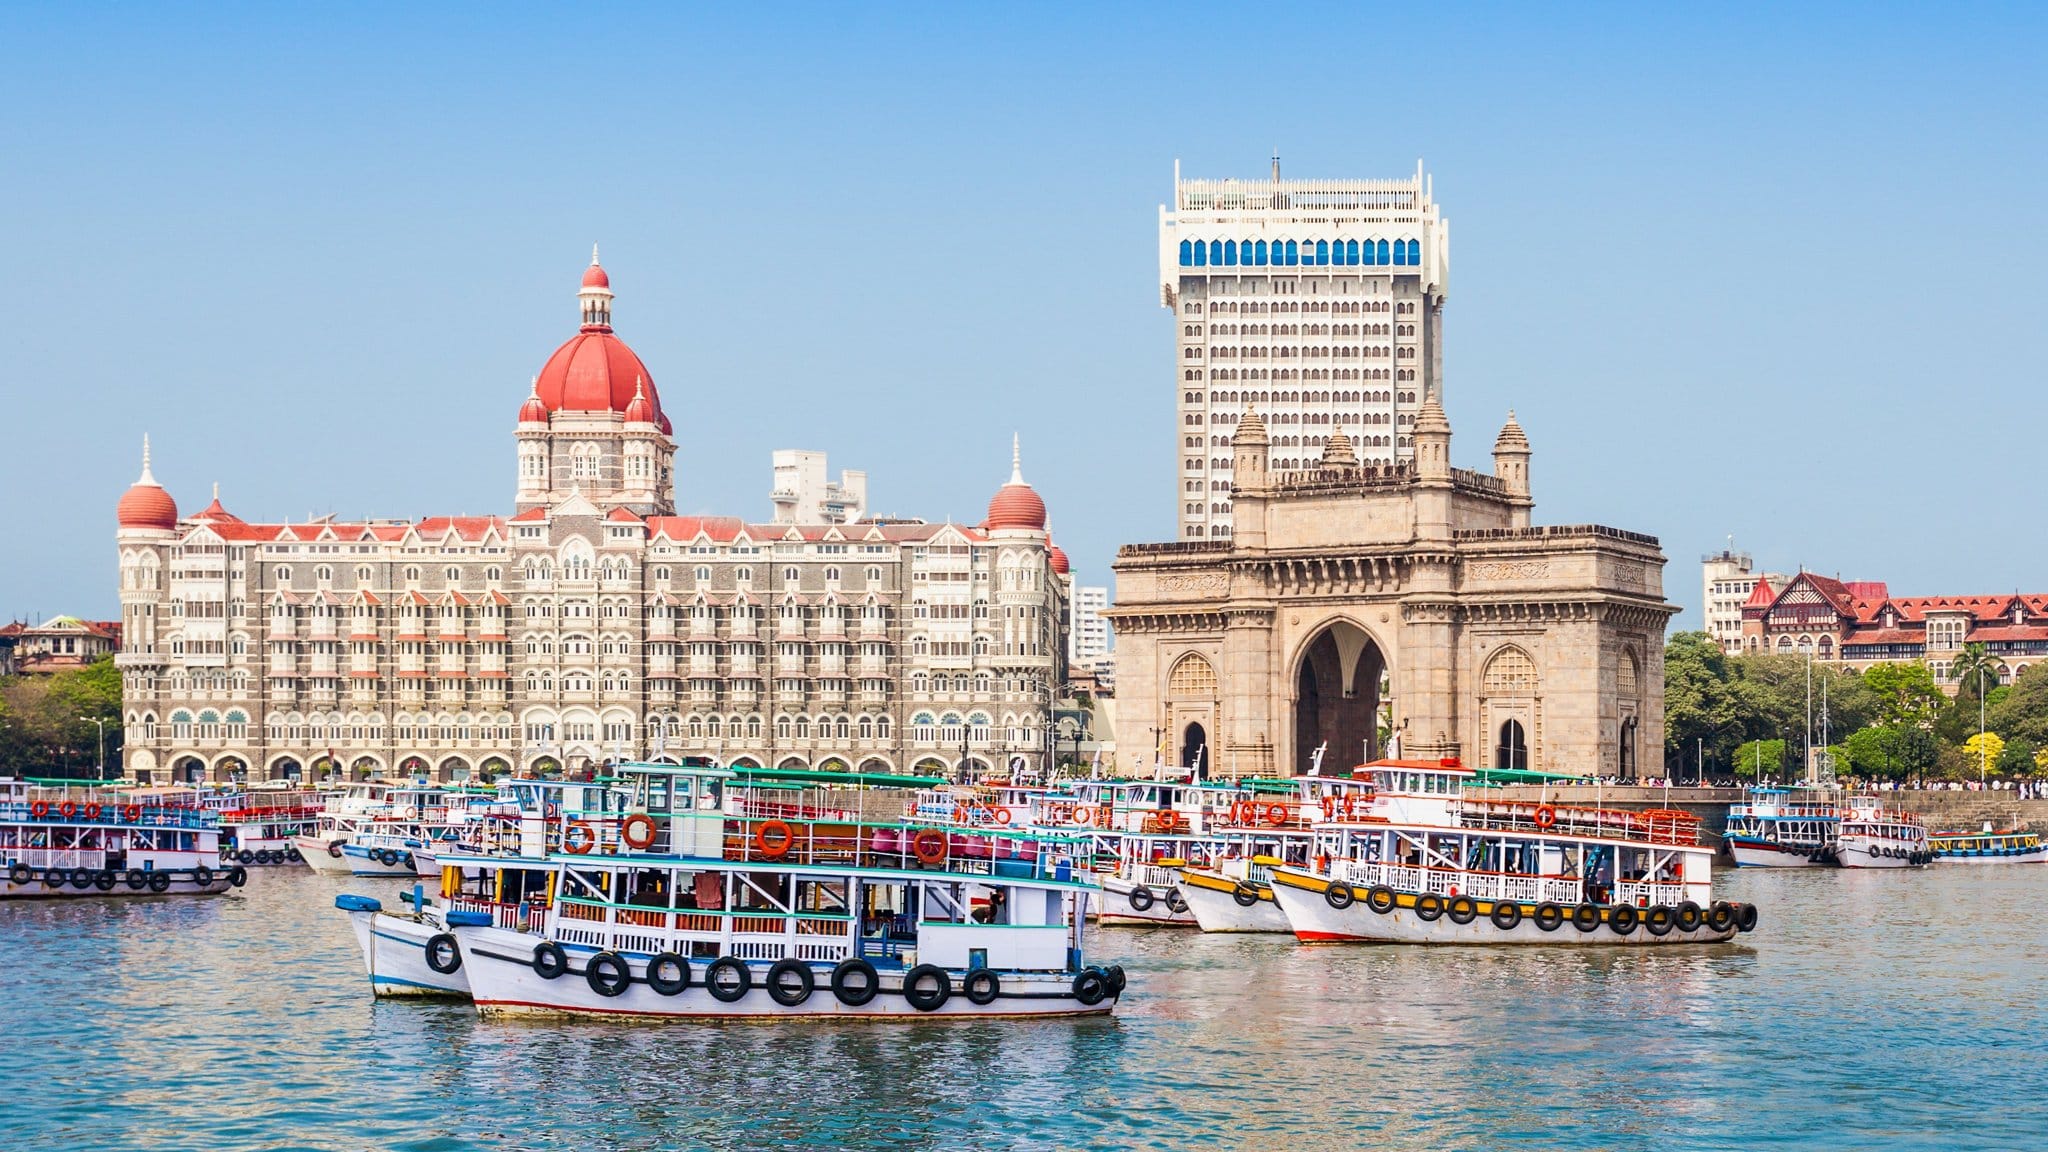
[
  {"x": 1648, "y": 893},
  {"x": 1274, "y": 814},
  {"x": 748, "y": 935},
  {"x": 902, "y": 847},
  {"x": 94, "y": 858},
  {"x": 1155, "y": 875},
  {"x": 520, "y": 917},
  {"x": 1655, "y": 826},
  {"x": 1364, "y": 874},
  {"x": 106, "y": 815}
]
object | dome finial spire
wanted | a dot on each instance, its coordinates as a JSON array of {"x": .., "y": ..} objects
[
  {"x": 593, "y": 253},
  {"x": 146, "y": 478},
  {"x": 1016, "y": 459}
]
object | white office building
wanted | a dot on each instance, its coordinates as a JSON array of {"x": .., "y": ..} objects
[
  {"x": 1727, "y": 580},
  {"x": 1317, "y": 303},
  {"x": 1088, "y": 635},
  {"x": 803, "y": 495}
]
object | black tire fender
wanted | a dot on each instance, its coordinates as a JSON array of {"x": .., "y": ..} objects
[
  {"x": 1380, "y": 899},
  {"x": 927, "y": 987},
  {"x": 1506, "y": 915},
  {"x": 981, "y": 987},
  {"x": 442, "y": 954},
  {"x": 607, "y": 974},
  {"x": 779, "y": 984},
  {"x": 728, "y": 991},
  {"x": 1339, "y": 895},
  {"x": 1549, "y": 916},
  {"x": 549, "y": 961},
  {"x": 855, "y": 982},
  {"x": 668, "y": 974}
]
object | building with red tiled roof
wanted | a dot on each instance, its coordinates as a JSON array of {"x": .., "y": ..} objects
[
  {"x": 58, "y": 644},
  {"x": 1860, "y": 623},
  {"x": 593, "y": 623}
]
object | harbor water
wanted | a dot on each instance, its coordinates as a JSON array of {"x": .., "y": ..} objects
[{"x": 1870, "y": 1011}]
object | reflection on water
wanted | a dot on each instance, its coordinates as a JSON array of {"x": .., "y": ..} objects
[{"x": 1870, "y": 1011}]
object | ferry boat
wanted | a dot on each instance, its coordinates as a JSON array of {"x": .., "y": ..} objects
[
  {"x": 260, "y": 826},
  {"x": 693, "y": 900},
  {"x": 1144, "y": 833},
  {"x": 1783, "y": 828},
  {"x": 411, "y": 956},
  {"x": 1872, "y": 837},
  {"x": 60, "y": 841},
  {"x": 345, "y": 809},
  {"x": 1235, "y": 893},
  {"x": 1987, "y": 847},
  {"x": 1427, "y": 865}
]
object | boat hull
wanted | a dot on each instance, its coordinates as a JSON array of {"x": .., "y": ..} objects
[
  {"x": 1316, "y": 921},
  {"x": 1216, "y": 907},
  {"x": 182, "y": 883},
  {"x": 503, "y": 982},
  {"x": 395, "y": 957},
  {"x": 319, "y": 853},
  {"x": 1874, "y": 852},
  {"x": 2025, "y": 856},
  {"x": 1142, "y": 906},
  {"x": 378, "y": 861},
  {"x": 1770, "y": 854}
]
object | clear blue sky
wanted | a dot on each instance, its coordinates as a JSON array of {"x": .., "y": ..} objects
[{"x": 1771, "y": 274}]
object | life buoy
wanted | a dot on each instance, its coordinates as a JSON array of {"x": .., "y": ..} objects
[
  {"x": 132, "y": 813},
  {"x": 68, "y": 810},
  {"x": 929, "y": 846},
  {"x": 1166, "y": 820},
  {"x": 999, "y": 815},
  {"x": 1545, "y": 816},
  {"x": 578, "y": 838},
  {"x": 638, "y": 831},
  {"x": 92, "y": 812},
  {"x": 1081, "y": 816},
  {"x": 39, "y": 809},
  {"x": 1276, "y": 814},
  {"x": 774, "y": 838}
]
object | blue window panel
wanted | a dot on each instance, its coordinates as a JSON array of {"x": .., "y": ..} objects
[
  {"x": 1259, "y": 252},
  {"x": 1382, "y": 259},
  {"x": 1229, "y": 252},
  {"x": 1293, "y": 253},
  {"x": 1415, "y": 252},
  {"x": 1201, "y": 254},
  {"x": 1215, "y": 251},
  {"x": 1351, "y": 251},
  {"x": 1322, "y": 251},
  {"x": 1187, "y": 253}
]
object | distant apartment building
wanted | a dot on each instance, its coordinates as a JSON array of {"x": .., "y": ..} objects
[
  {"x": 1860, "y": 623},
  {"x": 803, "y": 495},
  {"x": 1088, "y": 639},
  {"x": 58, "y": 644},
  {"x": 1728, "y": 579},
  {"x": 1317, "y": 303}
]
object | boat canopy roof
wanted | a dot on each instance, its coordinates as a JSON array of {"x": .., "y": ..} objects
[
  {"x": 1524, "y": 776},
  {"x": 753, "y": 776}
]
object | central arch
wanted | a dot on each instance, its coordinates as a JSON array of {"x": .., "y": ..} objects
[
  {"x": 1337, "y": 698},
  {"x": 1194, "y": 750}
]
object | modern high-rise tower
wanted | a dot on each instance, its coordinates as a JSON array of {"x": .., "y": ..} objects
[{"x": 1317, "y": 304}]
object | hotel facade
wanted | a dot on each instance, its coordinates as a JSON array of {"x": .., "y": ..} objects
[{"x": 591, "y": 624}]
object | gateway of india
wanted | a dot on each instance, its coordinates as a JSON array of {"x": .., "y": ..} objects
[{"x": 1375, "y": 601}]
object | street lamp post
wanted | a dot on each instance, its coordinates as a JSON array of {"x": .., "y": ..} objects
[{"x": 101, "y": 766}]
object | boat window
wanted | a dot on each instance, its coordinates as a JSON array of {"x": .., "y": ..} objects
[
  {"x": 646, "y": 887},
  {"x": 821, "y": 896},
  {"x": 761, "y": 891}
]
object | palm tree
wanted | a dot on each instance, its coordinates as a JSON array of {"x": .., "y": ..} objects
[{"x": 1972, "y": 668}]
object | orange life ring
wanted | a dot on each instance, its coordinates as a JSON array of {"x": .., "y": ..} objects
[
  {"x": 39, "y": 809},
  {"x": 929, "y": 845},
  {"x": 132, "y": 813},
  {"x": 1329, "y": 807},
  {"x": 92, "y": 811},
  {"x": 1276, "y": 814},
  {"x": 68, "y": 810},
  {"x": 1545, "y": 815},
  {"x": 1082, "y": 816},
  {"x": 777, "y": 848},
  {"x": 642, "y": 822},
  {"x": 999, "y": 815},
  {"x": 578, "y": 838},
  {"x": 1166, "y": 819}
]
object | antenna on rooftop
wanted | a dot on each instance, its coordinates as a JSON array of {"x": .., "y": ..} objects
[{"x": 1276, "y": 165}]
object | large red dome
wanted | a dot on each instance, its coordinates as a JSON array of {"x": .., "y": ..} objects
[
  {"x": 594, "y": 372},
  {"x": 146, "y": 506},
  {"x": 1016, "y": 506}
]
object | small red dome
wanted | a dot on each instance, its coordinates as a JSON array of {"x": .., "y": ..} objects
[
  {"x": 533, "y": 411},
  {"x": 1016, "y": 506},
  {"x": 639, "y": 411},
  {"x": 1059, "y": 560},
  {"x": 594, "y": 277},
  {"x": 216, "y": 513},
  {"x": 146, "y": 505}
]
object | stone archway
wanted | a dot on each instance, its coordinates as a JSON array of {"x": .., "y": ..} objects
[
  {"x": 1337, "y": 698},
  {"x": 189, "y": 770}
]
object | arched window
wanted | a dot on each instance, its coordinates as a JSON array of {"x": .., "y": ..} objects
[
  {"x": 1187, "y": 254},
  {"x": 1628, "y": 677},
  {"x": 1381, "y": 256},
  {"x": 1510, "y": 673},
  {"x": 1259, "y": 253},
  {"x": 1293, "y": 253},
  {"x": 1193, "y": 678},
  {"x": 1229, "y": 252},
  {"x": 1351, "y": 252},
  {"x": 1414, "y": 252},
  {"x": 923, "y": 727},
  {"x": 1322, "y": 251}
]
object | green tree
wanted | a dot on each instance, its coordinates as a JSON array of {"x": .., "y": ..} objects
[
  {"x": 2021, "y": 710},
  {"x": 1903, "y": 695},
  {"x": 1973, "y": 672},
  {"x": 1699, "y": 705},
  {"x": 1765, "y": 755},
  {"x": 2017, "y": 758}
]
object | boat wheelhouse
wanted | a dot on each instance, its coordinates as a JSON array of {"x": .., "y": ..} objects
[
  {"x": 1272, "y": 828},
  {"x": 59, "y": 840},
  {"x": 1427, "y": 864},
  {"x": 721, "y": 895},
  {"x": 1987, "y": 847}
]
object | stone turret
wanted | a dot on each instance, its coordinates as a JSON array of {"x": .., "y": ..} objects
[
  {"x": 1337, "y": 454},
  {"x": 1511, "y": 466},
  {"x": 1432, "y": 439},
  {"x": 1249, "y": 481}
]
